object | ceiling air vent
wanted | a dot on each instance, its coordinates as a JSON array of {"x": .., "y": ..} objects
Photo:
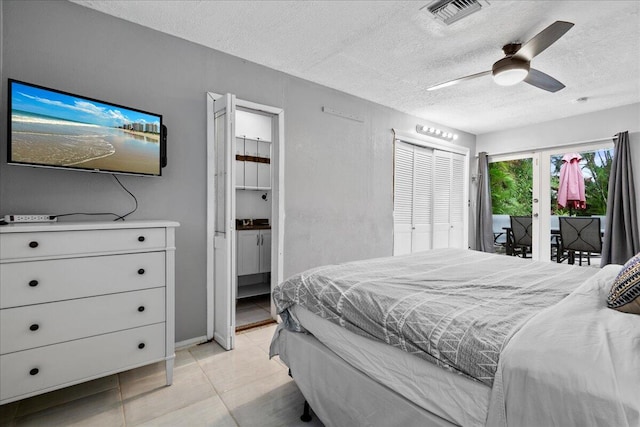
[{"x": 450, "y": 11}]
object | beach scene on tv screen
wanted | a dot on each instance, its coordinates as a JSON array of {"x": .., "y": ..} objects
[{"x": 55, "y": 129}]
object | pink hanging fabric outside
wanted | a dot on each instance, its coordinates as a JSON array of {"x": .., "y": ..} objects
[{"x": 571, "y": 188}]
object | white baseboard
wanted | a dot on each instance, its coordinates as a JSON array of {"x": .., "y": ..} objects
[{"x": 190, "y": 342}]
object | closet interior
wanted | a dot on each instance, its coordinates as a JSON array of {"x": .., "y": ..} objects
[{"x": 254, "y": 138}]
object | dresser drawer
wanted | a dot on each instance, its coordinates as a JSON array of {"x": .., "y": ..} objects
[
  {"x": 65, "y": 243},
  {"x": 58, "y": 365},
  {"x": 28, "y": 327},
  {"x": 34, "y": 282}
]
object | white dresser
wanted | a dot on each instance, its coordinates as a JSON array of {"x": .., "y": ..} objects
[{"x": 82, "y": 300}]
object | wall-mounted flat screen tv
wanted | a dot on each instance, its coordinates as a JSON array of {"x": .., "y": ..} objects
[{"x": 55, "y": 129}]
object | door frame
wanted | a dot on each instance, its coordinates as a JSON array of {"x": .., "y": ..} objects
[
  {"x": 541, "y": 194},
  {"x": 277, "y": 198}
]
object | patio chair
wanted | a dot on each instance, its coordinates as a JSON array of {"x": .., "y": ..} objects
[
  {"x": 521, "y": 234},
  {"x": 582, "y": 235}
]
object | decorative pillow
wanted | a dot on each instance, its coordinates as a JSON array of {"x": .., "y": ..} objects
[{"x": 625, "y": 292}]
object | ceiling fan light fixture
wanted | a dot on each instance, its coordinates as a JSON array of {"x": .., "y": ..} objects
[
  {"x": 510, "y": 77},
  {"x": 515, "y": 66},
  {"x": 510, "y": 71}
]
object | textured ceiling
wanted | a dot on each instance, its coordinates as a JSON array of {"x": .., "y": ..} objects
[{"x": 389, "y": 52}]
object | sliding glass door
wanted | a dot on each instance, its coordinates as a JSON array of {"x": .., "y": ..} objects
[{"x": 527, "y": 185}]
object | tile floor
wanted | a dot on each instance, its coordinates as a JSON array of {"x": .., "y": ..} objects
[
  {"x": 211, "y": 387},
  {"x": 253, "y": 310}
]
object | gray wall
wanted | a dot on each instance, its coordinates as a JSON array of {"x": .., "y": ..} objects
[
  {"x": 338, "y": 172},
  {"x": 583, "y": 127}
]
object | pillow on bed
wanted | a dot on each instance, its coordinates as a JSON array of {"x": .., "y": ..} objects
[{"x": 625, "y": 292}]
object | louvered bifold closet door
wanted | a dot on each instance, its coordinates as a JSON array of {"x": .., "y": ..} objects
[
  {"x": 441, "y": 198},
  {"x": 457, "y": 202},
  {"x": 422, "y": 199},
  {"x": 402, "y": 198}
]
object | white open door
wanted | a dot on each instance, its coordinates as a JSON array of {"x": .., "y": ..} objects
[
  {"x": 222, "y": 277},
  {"x": 224, "y": 251}
]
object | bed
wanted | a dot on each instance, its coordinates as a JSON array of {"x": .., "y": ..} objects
[{"x": 459, "y": 337}]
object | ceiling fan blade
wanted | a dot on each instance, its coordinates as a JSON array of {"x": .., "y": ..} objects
[
  {"x": 456, "y": 81},
  {"x": 543, "y": 81},
  {"x": 543, "y": 40}
]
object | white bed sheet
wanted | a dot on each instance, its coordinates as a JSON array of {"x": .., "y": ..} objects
[
  {"x": 574, "y": 364},
  {"x": 451, "y": 396}
]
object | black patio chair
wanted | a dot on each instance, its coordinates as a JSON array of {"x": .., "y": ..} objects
[
  {"x": 582, "y": 235},
  {"x": 521, "y": 235}
]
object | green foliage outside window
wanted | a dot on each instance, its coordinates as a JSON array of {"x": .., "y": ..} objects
[
  {"x": 512, "y": 184},
  {"x": 511, "y": 187}
]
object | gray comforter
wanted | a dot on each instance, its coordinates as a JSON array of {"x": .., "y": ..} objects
[{"x": 456, "y": 308}]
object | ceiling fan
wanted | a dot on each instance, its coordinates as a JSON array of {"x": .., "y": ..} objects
[{"x": 515, "y": 66}]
